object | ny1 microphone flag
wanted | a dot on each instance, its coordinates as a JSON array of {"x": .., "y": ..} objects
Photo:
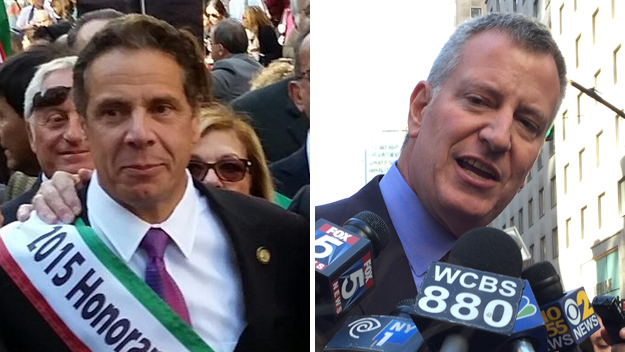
[
  {"x": 5, "y": 34},
  {"x": 376, "y": 333}
]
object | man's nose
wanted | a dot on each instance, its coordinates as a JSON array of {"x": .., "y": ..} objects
[
  {"x": 74, "y": 133},
  {"x": 139, "y": 132},
  {"x": 497, "y": 131}
]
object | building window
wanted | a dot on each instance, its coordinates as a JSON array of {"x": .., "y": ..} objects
[
  {"x": 566, "y": 176},
  {"x": 535, "y": 9},
  {"x": 514, "y": 3},
  {"x": 574, "y": 5},
  {"x": 580, "y": 96},
  {"x": 601, "y": 210},
  {"x": 613, "y": 8},
  {"x": 521, "y": 220},
  {"x": 578, "y": 43},
  {"x": 564, "y": 119},
  {"x": 581, "y": 164},
  {"x": 567, "y": 229},
  {"x": 597, "y": 77},
  {"x": 608, "y": 276},
  {"x": 552, "y": 147},
  {"x": 529, "y": 176},
  {"x": 594, "y": 25},
  {"x": 598, "y": 146},
  {"x": 531, "y": 254},
  {"x": 561, "y": 18},
  {"x": 615, "y": 62},
  {"x": 540, "y": 159},
  {"x": 476, "y": 12},
  {"x": 530, "y": 212},
  {"x": 541, "y": 202},
  {"x": 554, "y": 194},
  {"x": 584, "y": 220},
  {"x": 621, "y": 196},
  {"x": 504, "y": 227},
  {"x": 512, "y": 221},
  {"x": 554, "y": 242},
  {"x": 620, "y": 131},
  {"x": 543, "y": 249}
]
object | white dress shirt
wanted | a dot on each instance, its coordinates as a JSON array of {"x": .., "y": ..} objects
[{"x": 202, "y": 261}]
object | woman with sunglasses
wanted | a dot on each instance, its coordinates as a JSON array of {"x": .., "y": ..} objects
[{"x": 229, "y": 154}]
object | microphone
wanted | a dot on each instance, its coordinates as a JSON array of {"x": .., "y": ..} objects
[
  {"x": 569, "y": 316},
  {"x": 471, "y": 302},
  {"x": 343, "y": 267},
  {"x": 529, "y": 333},
  {"x": 394, "y": 333}
]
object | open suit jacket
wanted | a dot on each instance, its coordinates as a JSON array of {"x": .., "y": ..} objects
[
  {"x": 9, "y": 209},
  {"x": 281, "y": 128},
  {"x": 391, "y": 271},
  {"x": 275, "y": 294}
]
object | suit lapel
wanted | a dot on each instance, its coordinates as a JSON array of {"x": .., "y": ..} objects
[{"x": 247, "y": 241}]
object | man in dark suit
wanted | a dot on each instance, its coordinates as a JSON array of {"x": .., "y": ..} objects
[
  {"x": 53, "y": 127},
  {"x": 293, "y": 172},
  {"x": 280, "y": 117},
  {"x": 474, "y": 131},
  {"x": 225, "y": 273}
]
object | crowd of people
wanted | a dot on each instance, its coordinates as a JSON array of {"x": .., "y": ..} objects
[{"x": 176, "y": 149}]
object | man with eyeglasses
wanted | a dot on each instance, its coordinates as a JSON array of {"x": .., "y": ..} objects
[
  {"x": 293, "y": 172},
  {"x": 54, "y": 127}
]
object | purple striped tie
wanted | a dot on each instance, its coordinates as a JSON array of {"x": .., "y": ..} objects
[{"x": 156, "y": 275}]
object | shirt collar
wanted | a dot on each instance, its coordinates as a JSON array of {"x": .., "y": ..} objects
[
  {"x": 125, "y": 230},
  {"x": 423, "y": 238}
]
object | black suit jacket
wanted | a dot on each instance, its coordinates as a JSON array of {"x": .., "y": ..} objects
[
  {"x": 282, "y": 128},
  {"x": 9, "y": 209},
  {"x": 391, "y": 270},
  {"x": 291, "y": 173},
  {"x": 276, "y": 294}
]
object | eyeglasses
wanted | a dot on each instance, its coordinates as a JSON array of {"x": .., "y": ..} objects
[
  {"x": 51, "y": 97},
  {"x": 305, "y": 74},
  {"x": 231, "y": 170}
]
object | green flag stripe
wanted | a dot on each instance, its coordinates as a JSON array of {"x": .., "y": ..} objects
[
  {"x": 5, "y": 30},
  {"x": 141, "y": 291}
]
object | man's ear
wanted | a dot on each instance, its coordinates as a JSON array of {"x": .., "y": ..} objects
[
  {"x": 31, "y": 136},
  {"x": 295, "y": 93},
  {"x": 419, "y": 101}
]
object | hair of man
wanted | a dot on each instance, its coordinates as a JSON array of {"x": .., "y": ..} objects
[
  {"x": 102, "y": 14},
  {"x": 230, "y": 33},
  {"x": 139, "y": 32},
  {"x": 43, "y": 71},
  {"x": 525, "y": 31},
  {"x": 17, "y": 72},
  {"x": 218, "y": 117}
]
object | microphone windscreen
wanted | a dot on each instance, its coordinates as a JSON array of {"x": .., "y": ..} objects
[
  {"x": 544, "y": 280},
  {"x": 488, "y": 249},
  {"x": 371, "y": 226}
]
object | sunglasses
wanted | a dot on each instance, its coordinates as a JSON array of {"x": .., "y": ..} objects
[
  {"x": 51, "y": 97},
  {"x": 231, "y": 170}
]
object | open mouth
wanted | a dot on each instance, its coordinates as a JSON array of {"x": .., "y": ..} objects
[{"x": 476, "y": 169}]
